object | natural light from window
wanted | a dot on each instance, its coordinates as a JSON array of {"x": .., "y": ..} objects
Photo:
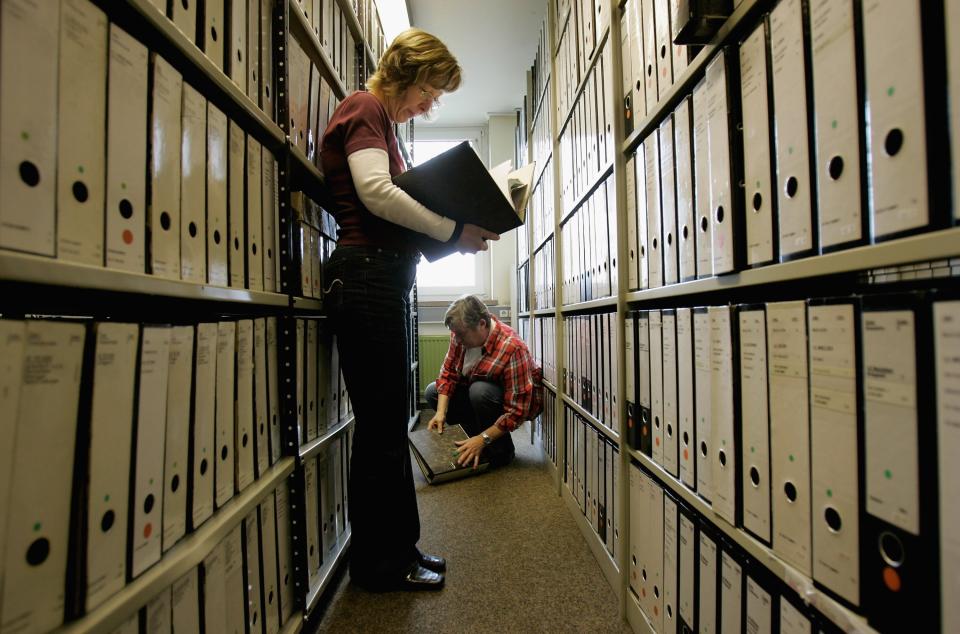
[{"x": 454, "y": 274}]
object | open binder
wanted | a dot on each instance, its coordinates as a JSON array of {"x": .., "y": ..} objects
[
  {"x": 457, "y": 185},
  {"x": 436, "y": 454}
]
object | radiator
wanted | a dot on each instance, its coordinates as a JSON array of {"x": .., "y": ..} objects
[{"x": 433, "y": 348}]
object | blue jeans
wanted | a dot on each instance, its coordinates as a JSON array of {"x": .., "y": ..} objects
[
  {"x": 369, "y": 310},
  {"x": 476, "y": 407}
]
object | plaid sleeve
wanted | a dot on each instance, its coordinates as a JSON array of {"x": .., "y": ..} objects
[
  {"x": 450, "y": 370},
  {"x": 519, "y": 391}
]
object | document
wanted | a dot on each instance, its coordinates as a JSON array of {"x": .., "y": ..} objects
[
  {"x": 639, "y": 522},
  {"x": 757, "y": 141},
  {"x": 436, "y": 454},
  {"x": 455, "y": 184},
  {"x": 273, "y": 391},
  {"x": 213, "y": 32},
  {"x": 184, "y": 16},
  {"x": 834, "y": 428},
  {"x": 111, "y": 414},
  {"x": 253, "y": 51},
  {"x": 793, "y": 620},
  {"x": 156, "y": 617},
  {"x": 632, "y": 248},
  {"x": 724, "y": 413},
  {"x": 701, "y": 180},
  {"x": 38, "y": 519},
  {"x": 185, "y": 597},
  {"x": 284, "y": 553},
  {"x": 268, "y": 537},
  {"x": 946, "y": 342},
  {"x": 243, "y": 416},
  {"x": 147, "y": 525},
  {"x": 310, "y": 396},
  {"x": 686, "y": 399},
  {"x": 204, "y": 423},
  {"x": 664, "y": 47},
  {"x": 645, "y": 420},
  {"x": 163, "y": 212},
  {"x": 838, "y": 125},
  {"x": 254, "y": 217},
  {"x": 702, "y": 381},
  {"x": 267, "y": 97},
  {"x": 226, "y": 376},
  {"x": 216, "y": 197},
  {"x": 670, "y": 401},
  {"x": 311, "y": 507},
  {"x": 270, "y": 234},
  {"x": 731, "y": 592},
  {"x": 237, "y": 46},
  {"x": 193, "y": 226},
  {"x": 725, "y": 196},
  {"x": 686, "y": 219},
  {"x": 235, "y": 589},
  {"x": 214, "y": 589},
  {"x": 759, "y": 607},
  {"x": 650, "y": 74},
  {"x": 708, "y": 580},
  {"x": 12, "y": 341},
  {"x": 253, "y": 583},
  {"x": 687, "y": 566},
  {"x": 671, "y": 563},
  {"x": 654, "y": 244},
  {"x": 176, "y": 459},
  {"x": 631, "y": 386},
  {"x": 81, "y": 133},
  {"x": 789, "y": 432},
  {"x": 126, "y": 193},
  {"x": 656, "y": 384},
  {"x": 237, "y": 244},
  {"x": 29, "y": 37},
  {"x": 755, "y": 421},
  {"x": 260, "y": 423}
]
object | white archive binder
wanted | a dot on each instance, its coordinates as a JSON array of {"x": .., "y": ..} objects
[
  {"x": 193, "y": 177},
  {"x": 177, "y": 441},
  {"x": 236, "y": 214},
  {"x": 163, "y": 212},
  {"x": 244, "y": 417},
  {"x": 204, "y": 423},
  {"x": 216, "y": 197},
  {"x": 755, "y": 422},
  {"x": 224, "y": 476}
]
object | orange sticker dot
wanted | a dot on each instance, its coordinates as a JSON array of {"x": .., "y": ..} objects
[
  {"x": 644, "y": 431},
  {"x": 643, "y": 592},
  {"x": 147, "y": 530},
  {"x": 127, "y": 236},
  {"x": 658, "y": 442},
  {"x": 686, "y": 454},
  {"x": 656, "y": 610},
  {"x": 892, "y": 579}
]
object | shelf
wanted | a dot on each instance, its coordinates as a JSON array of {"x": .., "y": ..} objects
[
  {"x": 935, "y": 245},
  {"x": 742, "y": 18},
  {"x": 595, "y": 181},
  {"x": 353, "y": 23},
  {"x": 597, "y": 50},
  {"x": 550, "y": 386},
  {"x": 301, "y": 31},
  {"x": 595, "y": 422},
  {"x": 593, "y": 304},
  {"x": 311, "y": 448},
  {"x": 307, "y": 303},
  {"x": 802, "y": 584},
  {"x": 599, "y": 549},
  {"x": 34, "y": 269},
  {"x": 541, "y": 168},
  {"x": 269, "y": 132},
  {"x": 327, "y": 571},
  {"x": 182, "y": 557},
  {"x": 542, "y": 242},
  {"x": 293, "y": 625},
  {"x": 545, "y": 312}
]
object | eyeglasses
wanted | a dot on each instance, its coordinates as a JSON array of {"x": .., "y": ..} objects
[{"x": 427, "y": 95}]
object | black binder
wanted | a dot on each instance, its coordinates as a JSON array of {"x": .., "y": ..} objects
[
  {"x": 436, "y": 454},
  {"x": 457, "y": 185}
]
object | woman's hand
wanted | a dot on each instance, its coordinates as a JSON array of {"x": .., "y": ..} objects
[
  {"x": 437, "y": 422},
  {"x": 469, "y": 450},
  {"x": 474, "y": 238}
]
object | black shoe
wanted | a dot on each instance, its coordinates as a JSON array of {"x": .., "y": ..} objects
[
  {"x": 435, "y": 563},
  {"x": 420, "y": 578}
]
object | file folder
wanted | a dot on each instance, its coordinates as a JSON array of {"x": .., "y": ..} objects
[
  {"x": 760, "y": 603},
  {"x": 629, "y": 69},
  {"x": 758, "y": 174},
  {"x": 81, "y": 132},
  {"x": 310, "y": 394},
  {"x": 655, "y": 322},
  {"x": 177, "y": 437},
  {"x": 253, "y": 51},
  {"x": 650, "y": 75},
  {"x": 237, "y": 246},
  {"x": 29, "y": 37},
  {"x": 12, "y": 342},
  {"x": 147, "y": 495},
  {"x": 273, "y": 391},
  {"x": 701, "y": 180},
  {"x": 946, "y": 342},
  {"x": 755, "y": 421},
  {"x": 111, "y": 415},
  {"x": 224, "y": 477},
  {"x": 696, "y": 21},
  {"x": 300, "y": 343},
  {"x": 664, "y": 47},
  {"x": 213, "y": 33},
  {"x": 268, "y": 536},
  {"x": 126, "y": 188},
  {"x": 163, "y": 212},
  {"x": 899, "y": 527},
  {"x": 204, "y": 449},
  {"x": 284, "y": 554},
  {"x": 952, "y": 19},
  {"x": 671, "y": 422},
  {"x": 687, "y": 569},
  {"x": 638, "y": 530},
  {"x": 789, "y": 432},
  {"x": 703, "y": 398},
  {"x": 654, "y": 242},
  {"x": 193, "y": 225},
  {"x": 235, "y": 589},
  {"x": 726, "y": 197},
  {"x": 668, "y": 204},
  {"x": 253, "y": 584},
  {"x": 157, "y": 616},
  {"x": 216, "y": 197},
  {"x": 902, "y": 60},
  {"x": 260, "y": 422},
  {"x": 311, "y": 504},
  {"x": 254, "y": 217},
  {"x": 837, "y": 99},
  {"x": 269, "y": 235},
  {"x": 686, "y": 399},
  {"x": 731, "y": 590},
  {"x": 243, "y": 415},
  {"x": 185, "y": 598},
  {"x": 267, "y": 96},
  {"x": 793, "y": 620},
  {"x": 644, "y": 379},
  {"x": 708, "y": 578},
  {"x": 631, "y": 387},
  {"x": 686, "y": 218},
  {"x": 796, "y": 191},
  {"x": 671, "y": 562},
  {"x": 184, "y": 16},
  {"x": 725, "y": 414},
  {"x": 237, "y": 39},
  {"x": 834, "y": 449},
  {"x": 633, "y": 246}
]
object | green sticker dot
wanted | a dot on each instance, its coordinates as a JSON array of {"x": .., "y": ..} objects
[
  {"x": 204, "y": 450},
  {"x": 791, "y": 458},
  {"x": 890, "y": 91},
  {"x": 833, "y": 124},
  {"x": 25, "y": 135},
  {"x": 758, "y": 184},
  {"x": 790, "y": 150},
  {"x": 106, "y": 498},
  {"x": 887, "y": 474},
  {"x": 123, "y": 185},
  {"x": 829, "y": 493},
  {"x": 174, "y": 465},
  {"x": 36, "y": 527},
  {"x": 80, "y": 168},
  {"x": 151, "y": 480}
]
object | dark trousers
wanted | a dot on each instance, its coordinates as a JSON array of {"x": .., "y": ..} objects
[
  {"x": 476, "y": 407},
  {"x": 369, "y": 310}
]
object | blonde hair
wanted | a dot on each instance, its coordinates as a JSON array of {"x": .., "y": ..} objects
[
  {"x": 467, "y": 311},
  {"x": 415, "y": 58}
]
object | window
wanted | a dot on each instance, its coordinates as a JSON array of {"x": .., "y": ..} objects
[{"x": 455, "y": 274}]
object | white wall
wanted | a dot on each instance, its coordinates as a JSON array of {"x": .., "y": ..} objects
[{"x": 503, "y": 253}]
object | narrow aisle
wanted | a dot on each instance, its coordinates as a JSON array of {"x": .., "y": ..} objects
[{"x": 516, "y": 562}]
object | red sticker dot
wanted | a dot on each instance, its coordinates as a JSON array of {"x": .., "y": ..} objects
[
  {"x": 643, "y": 592},
  {"x": 658, "y": 442},
  {"x": 127, "y": 236},
  {"x": 686, "y": 454},
  {"x": 147, "y": 530},
  {"x": 892, "y": 579}
]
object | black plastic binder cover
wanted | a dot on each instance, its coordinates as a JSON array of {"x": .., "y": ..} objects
[
  {"x": 436, "y": 454},
  {"x": 457, "y": 185}
]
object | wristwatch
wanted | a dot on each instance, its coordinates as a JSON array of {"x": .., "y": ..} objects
[{"x": 486, "y": 439}]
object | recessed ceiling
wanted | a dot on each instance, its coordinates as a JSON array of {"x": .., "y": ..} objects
[{"x": 495, "y": 42}]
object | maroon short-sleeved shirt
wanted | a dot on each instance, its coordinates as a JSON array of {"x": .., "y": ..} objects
[{"x": 360, "y": 122}]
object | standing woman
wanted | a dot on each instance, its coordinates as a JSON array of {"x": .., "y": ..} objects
[{"x": 369, "y": 278}]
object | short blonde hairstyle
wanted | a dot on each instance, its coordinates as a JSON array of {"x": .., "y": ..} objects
[
  {"x": 466, "y": 312},
  {"x": 415, "y": 58}
]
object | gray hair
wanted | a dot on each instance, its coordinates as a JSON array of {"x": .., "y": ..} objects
[{"x": 466, "y": 311}]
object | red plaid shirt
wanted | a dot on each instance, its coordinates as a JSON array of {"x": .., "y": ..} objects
[{"x": 506, "y": 361}]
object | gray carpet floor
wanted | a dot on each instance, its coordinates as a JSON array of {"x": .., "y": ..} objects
[{"x": 517, "y": 562}]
